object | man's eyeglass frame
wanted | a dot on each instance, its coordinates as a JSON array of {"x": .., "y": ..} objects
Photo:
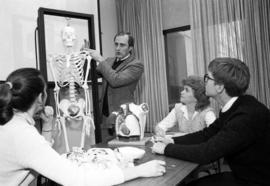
[{"x": 206, "y": 77}]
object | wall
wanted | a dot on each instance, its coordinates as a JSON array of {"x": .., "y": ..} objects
[
  {"x": 18, "y": 19},
  {"x": 108, "y": 26},
  {"x": 175, "y": 13}
]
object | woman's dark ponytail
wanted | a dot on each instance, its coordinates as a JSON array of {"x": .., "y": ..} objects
[
  {"x": 6, "y": 111},
  {"x": 21, "y": 89}
]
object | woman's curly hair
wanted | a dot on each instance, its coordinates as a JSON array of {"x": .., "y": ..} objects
[{"x": 198, "y": 87}]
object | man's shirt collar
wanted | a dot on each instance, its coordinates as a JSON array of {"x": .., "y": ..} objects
[
  {"x": 124, "y": 58},
  {"x": 228, "y": 105}
]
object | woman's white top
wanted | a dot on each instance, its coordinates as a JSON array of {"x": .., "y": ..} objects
[
  {"x": 23, "y": 149},
  {"x": 179, "y": 116}
]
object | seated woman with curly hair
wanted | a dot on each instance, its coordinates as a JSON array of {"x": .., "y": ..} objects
[{"x": 192, "y": 114}]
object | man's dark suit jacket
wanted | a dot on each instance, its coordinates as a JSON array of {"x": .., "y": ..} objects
[{"x": 121, "y": 82}]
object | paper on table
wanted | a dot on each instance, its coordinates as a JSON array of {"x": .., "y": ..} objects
[{"x": 131, "y": 153}]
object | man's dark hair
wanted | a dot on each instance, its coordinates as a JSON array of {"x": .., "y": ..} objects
[
  {"x": 231, "y": 72},
  {"x": 130, "y": 37}
]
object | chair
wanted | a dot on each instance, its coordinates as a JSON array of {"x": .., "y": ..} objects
[{"x": 208, "y": 169}]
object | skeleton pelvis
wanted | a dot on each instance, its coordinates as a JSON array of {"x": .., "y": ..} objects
[{"x": 72, "y": 109}]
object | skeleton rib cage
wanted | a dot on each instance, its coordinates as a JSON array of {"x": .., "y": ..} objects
[{"x": 68, "y": 67}]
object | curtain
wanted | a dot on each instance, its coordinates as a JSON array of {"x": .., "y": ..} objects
[
  {"x": 144, "y": 20},
  {"x": 257, "y": 46},
  {"x": 234, "y": 28}
]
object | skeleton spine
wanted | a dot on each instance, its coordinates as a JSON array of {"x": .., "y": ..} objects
[{"x": 72, "y": 93}]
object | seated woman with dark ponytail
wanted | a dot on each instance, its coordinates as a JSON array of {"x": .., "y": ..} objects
[{"x": 24, "y": 151}]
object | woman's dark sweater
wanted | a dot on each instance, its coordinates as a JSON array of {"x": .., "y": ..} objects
[{"x": 241, "y": 135}]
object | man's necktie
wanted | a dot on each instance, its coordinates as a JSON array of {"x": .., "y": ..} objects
[{"x": 116, "y": 63}]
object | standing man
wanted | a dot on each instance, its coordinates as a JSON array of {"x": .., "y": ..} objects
[
  {"x": 120, "y": 76},
  {"x": 241, "y": 134}
]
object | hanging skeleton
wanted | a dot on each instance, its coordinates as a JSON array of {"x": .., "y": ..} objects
[{"x": 67, "y": 71}]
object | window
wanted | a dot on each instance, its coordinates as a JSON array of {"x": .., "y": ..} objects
[{"x": 178, "y": 51}]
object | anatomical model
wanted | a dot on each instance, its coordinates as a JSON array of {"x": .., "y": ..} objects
[{"x": 130, "y": 121}]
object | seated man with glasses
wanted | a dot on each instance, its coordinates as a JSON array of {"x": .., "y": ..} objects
[{"x": 241, "y": 134}]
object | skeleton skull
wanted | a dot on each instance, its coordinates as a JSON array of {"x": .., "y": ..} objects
[{"x": 68, "y": 36}]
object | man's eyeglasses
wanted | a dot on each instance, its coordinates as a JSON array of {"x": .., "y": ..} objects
[{"x": 207, "y": 77}]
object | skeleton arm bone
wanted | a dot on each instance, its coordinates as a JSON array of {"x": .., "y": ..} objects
[
  {"x": 88, "y": 58},
  {"x": 52, "y": 59}
]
